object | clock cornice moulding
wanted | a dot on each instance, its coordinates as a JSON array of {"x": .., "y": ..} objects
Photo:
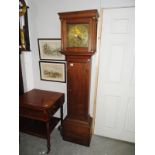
[{"x": 79, "y": 14}]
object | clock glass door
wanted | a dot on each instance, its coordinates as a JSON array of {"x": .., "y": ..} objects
[{"x": 77, "y": 35}]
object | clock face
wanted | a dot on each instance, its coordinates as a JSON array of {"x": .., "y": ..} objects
[{"x": 77, "y": 35}]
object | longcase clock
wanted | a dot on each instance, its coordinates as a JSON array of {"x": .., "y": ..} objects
[{"x": 78, "y": 34}]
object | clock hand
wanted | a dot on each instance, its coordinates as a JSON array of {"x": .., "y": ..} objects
[{"x": 77, "y": 36}]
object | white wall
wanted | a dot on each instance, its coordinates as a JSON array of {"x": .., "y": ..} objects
[
  {"x": 27, "y": 71},
  {"x": 44, "y": 23}
]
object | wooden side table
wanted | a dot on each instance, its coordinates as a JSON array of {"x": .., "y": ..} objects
[{"x": 36, "y": 110}]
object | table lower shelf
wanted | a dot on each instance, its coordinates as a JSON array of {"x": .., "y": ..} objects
[{"x": 35, "y": 127}]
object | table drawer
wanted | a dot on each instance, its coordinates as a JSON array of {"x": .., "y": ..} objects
[{"x": 34, "y": 114}]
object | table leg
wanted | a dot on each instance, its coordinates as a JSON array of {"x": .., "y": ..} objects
[
  {"x": 61, "y": 119},
  {"x": 61, "y": 114},
  {"x": 48, "y": 137}
]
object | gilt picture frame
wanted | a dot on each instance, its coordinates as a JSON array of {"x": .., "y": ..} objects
[
  {"x": 49, "y": 49},
  {"x": 53, "y": 71}
]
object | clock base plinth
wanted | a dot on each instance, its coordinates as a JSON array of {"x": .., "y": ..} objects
[{"x": 77, "y": 131}]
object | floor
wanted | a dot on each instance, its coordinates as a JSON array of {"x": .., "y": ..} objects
[{"x": 30, "y": 145}]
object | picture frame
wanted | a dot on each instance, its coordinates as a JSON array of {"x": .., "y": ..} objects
[
  {"x": 49, "y": 49},
  {"x": 52, "y": 71}
]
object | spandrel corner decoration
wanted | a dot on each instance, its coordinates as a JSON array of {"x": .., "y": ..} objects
[{"x": 24, "y": 43}]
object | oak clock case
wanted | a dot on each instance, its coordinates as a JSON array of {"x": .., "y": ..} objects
[{"x": 78, "y": 34}]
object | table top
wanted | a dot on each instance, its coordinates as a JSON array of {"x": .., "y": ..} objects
[{"x": 40, "y": 99}]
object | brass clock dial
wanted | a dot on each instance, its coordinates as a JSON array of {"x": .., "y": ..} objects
[{"x": 77, "y": 35}]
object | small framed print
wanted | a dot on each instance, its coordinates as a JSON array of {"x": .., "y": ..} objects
[
  {"x": 49, "y": 49},
  {"x": 52, "y": 71}
]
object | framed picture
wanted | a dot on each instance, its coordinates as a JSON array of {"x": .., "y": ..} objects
[
  {"x": 49, "y": 49},
  {"x": 52, "y": 71}
]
